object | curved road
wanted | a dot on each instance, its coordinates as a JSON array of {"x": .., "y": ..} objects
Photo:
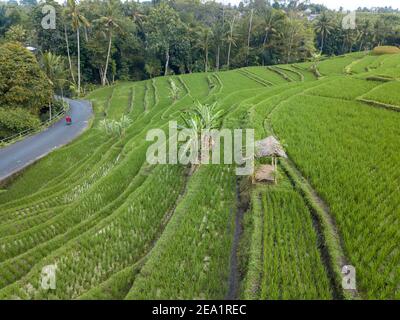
[{"x": 23, "y": 153}]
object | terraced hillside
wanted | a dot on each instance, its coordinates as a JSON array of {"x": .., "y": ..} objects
[{"x": 119, "y": 228}]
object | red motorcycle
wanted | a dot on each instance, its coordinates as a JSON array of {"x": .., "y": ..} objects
[{"x": 68, "y": 120}]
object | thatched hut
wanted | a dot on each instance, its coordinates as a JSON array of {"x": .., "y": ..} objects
[{"x": 268, "y": 147}]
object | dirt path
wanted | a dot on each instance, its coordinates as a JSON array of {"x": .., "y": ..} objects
[{"x": 234, "y": 275}]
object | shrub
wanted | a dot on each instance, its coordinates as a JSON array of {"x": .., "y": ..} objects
[
  {"x": 385, "y": 50},
  {"x": 115, "y": 128},
  {"x": 16, "y": 120}
]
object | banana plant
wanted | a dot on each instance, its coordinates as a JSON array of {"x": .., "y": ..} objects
[{"x": 198, "y": 123}]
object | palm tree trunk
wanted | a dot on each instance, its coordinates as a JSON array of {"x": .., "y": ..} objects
[
  {"x": 289, "y": 53},
  {"x": 231, "y": 40},
  {"x": 206, "y": 60},
  {"x": 361, "y": 45},
  {"x": 290, "y": 47},
  {"x": 86, "y": 34},
  {"x": 248, "y": 37},
  {"x": 322, "y": 42},
  {"x": 264, "y": 42},
  {"x": 229, "y": 54},
  {"x": 217, "y": 59},
  {"x": 166, "y": 61},
  {"x": 265, "y": 38},
  {"x": 343, "y": 45},
  {"x": 267, "y": 29},
  {"x": 107, "y": 60},
  {"x": 79, "y": 61},
  {"x": 69, "y": 56}
]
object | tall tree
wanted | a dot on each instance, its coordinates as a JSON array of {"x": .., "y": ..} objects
[
  {"x": 204, "y": 36},
  {"x": 378, "y": 36},
  {"x": 53, "y": 67},
  {"x": 218, "y": 36},
  {"x": 365, "y": 32},
  {"x": 270, "y": 25},
  {"x": 294, "y": 40},
  {"x": 162, "y": 30},
  {"x": 230, "y": 40},
  {"x": 249, "y": 35},
  {"x": 68, "y": 52},
  {"x": 111, "y": 23},
  {"x": 323, "y": 28},
  {"x": 77, "y": 20}
]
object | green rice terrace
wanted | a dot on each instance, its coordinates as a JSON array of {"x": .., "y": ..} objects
[{"x": 117, "y": 227}]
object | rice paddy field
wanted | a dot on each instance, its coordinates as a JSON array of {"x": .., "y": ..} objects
[{"x": 117, "y": 227}]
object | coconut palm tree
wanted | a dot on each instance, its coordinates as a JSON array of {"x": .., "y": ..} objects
[
  {"x": 110, "y": 23},
  {"x": 137, "y": 17},
  {"x": 204, "y": 36},
  {"x": 230, "y": 40},
  {"x": 365, "y": 32},
  {"x": 77, "y": 20},
  {"x": 219, "y": 36},
  {"x": 323, "y": 28},
  {"x": 378, "y": 34},
  {"x": 68, "y": 53},
  {"x": 268, "y": 25},
  {"x": 249, "y": 36},
  {"x": 271, "y": 23},
  {"x": 53, "y": 66}
]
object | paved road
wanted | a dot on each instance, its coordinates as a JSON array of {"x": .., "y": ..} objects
[{"x": 22, "y": 153}]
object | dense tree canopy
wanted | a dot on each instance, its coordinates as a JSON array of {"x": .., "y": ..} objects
[
  {"x": 105, "y": 40},
  {"x": 24, "y": 89},
  {"x": 22, "y": 83},
  {"x": 164, "y": 31}
]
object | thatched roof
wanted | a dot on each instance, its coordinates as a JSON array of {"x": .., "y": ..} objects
[
  {"x": 269, "y": 147},
  {"x": 265, "y": 173}
]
